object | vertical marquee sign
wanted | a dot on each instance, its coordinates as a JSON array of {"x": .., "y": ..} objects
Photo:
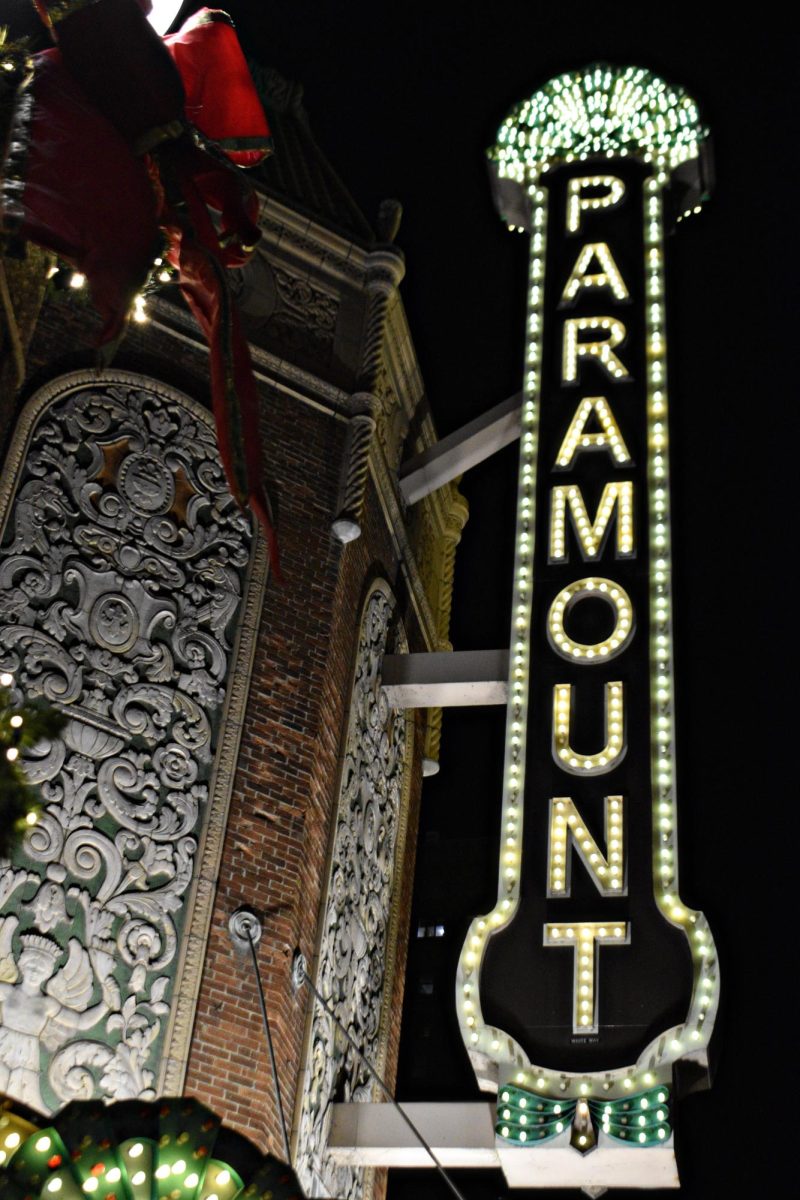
[{"x": 587, "y": 996}]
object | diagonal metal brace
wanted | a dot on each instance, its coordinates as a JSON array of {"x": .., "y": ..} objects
[{"x": 459, "y": 451}]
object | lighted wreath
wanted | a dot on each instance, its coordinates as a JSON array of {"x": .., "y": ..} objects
[
  {"x": 22, "y": 725},
  {"x": 170, "y": 1149}
]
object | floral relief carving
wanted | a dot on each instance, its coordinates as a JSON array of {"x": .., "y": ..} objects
[
  {"x": 122, "y": 569},
  {"x": 356, "y": 935},
  {"x": 287, "y": 311},
  {"x": 304, "y": 320}
]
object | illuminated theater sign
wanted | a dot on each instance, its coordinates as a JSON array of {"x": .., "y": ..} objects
[{"x": 587, "y": 996}]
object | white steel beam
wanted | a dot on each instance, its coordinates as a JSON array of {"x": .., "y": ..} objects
[
  {"x": 460, "y": 1135},
  {"x": 446, "y": 680},
  {"x": 459, "y": 451}
]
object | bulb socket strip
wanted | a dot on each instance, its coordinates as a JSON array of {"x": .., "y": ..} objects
[
  {"x": 480, "y": 1038},
  {"x": 696, "y": 1031}
]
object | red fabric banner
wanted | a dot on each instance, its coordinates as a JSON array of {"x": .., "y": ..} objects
[
  {"x": 77, "y": 180},
  {"x": 220, "y": 97},
  {"x": 72, "y": 185}
]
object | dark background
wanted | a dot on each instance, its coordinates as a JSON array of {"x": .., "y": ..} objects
[{"x": 404, "y": 99}]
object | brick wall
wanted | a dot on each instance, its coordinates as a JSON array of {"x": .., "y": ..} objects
[{"x": 277, "y": 842}]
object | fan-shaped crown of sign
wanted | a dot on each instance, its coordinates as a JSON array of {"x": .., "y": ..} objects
[{"x": 598, "y": 111}]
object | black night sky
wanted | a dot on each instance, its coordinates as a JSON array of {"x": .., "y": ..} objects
[{"x": 404, "y": 99}]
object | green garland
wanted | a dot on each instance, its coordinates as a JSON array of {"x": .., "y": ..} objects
[{"x": 22, "y": 725}]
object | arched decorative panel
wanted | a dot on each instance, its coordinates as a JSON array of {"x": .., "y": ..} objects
[
  {"x": 354, "y": 969},
  {"x": 130, "y": 592}
]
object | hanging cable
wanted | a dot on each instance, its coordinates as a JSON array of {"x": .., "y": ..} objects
[
  {"x": 245, "y": 931},
  {"x": 301, "y": 976}
]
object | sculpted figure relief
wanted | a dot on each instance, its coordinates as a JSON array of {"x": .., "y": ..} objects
[{"x": 41, "y": 1005}]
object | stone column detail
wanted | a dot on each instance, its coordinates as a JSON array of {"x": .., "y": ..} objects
[{"x": 385, "y": 269}]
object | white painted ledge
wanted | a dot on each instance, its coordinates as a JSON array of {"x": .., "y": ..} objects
[
  {"x": 462, "y": 1135},
  {"x": 608, "y": 1166},
  {"x": 446, "y": 679}
]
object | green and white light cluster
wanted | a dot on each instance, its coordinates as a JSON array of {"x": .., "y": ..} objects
[
  {"x": 602, "y": 111},
  {"x": 135, "y": 1150},
  {"x": 641, "y": 1120},
  {"x": 523, "y": 1118}
]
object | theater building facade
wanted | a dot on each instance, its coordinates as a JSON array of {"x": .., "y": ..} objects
[{"x": 228, "y": 743}]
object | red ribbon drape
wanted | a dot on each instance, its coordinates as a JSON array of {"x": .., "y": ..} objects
[{"x": 77, "y": 181}]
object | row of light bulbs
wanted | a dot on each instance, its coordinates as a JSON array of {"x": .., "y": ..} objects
[
  {"x": 477, "y": 1035},
  {"x": 612, "y": 594},
  {"x": 601, "y": 348},
  {"x": 585, "y": 940},
  {"x": 606, "y": 870},
  {"x": 697, "y": 1028},
  {"x": 609, "y": 277},
  {"x": 576, "y": 438},
  {"x": 15, "y": 721},
  {"x": 600, "y": 761},
  {"x": 643, "y": 1119},
  {"x": 578, "y": 202}
]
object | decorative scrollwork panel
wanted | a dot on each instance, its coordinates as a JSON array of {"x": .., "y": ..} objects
[{"x": 124, "y": 577}]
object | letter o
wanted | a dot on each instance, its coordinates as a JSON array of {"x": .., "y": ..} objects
[{"x": 596, "y": 589}]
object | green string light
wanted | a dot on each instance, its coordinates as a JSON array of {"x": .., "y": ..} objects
[
  {"x": 524, "y": 1118},
  {"x": 22, "y": 725}
]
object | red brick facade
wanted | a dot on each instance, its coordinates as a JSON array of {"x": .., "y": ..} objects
[{"x": 278, "y": 839}]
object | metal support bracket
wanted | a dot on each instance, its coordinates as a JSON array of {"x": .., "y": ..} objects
[
  {"x": 446, "y": 679},
  {"x": 459, "y": 451}
]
